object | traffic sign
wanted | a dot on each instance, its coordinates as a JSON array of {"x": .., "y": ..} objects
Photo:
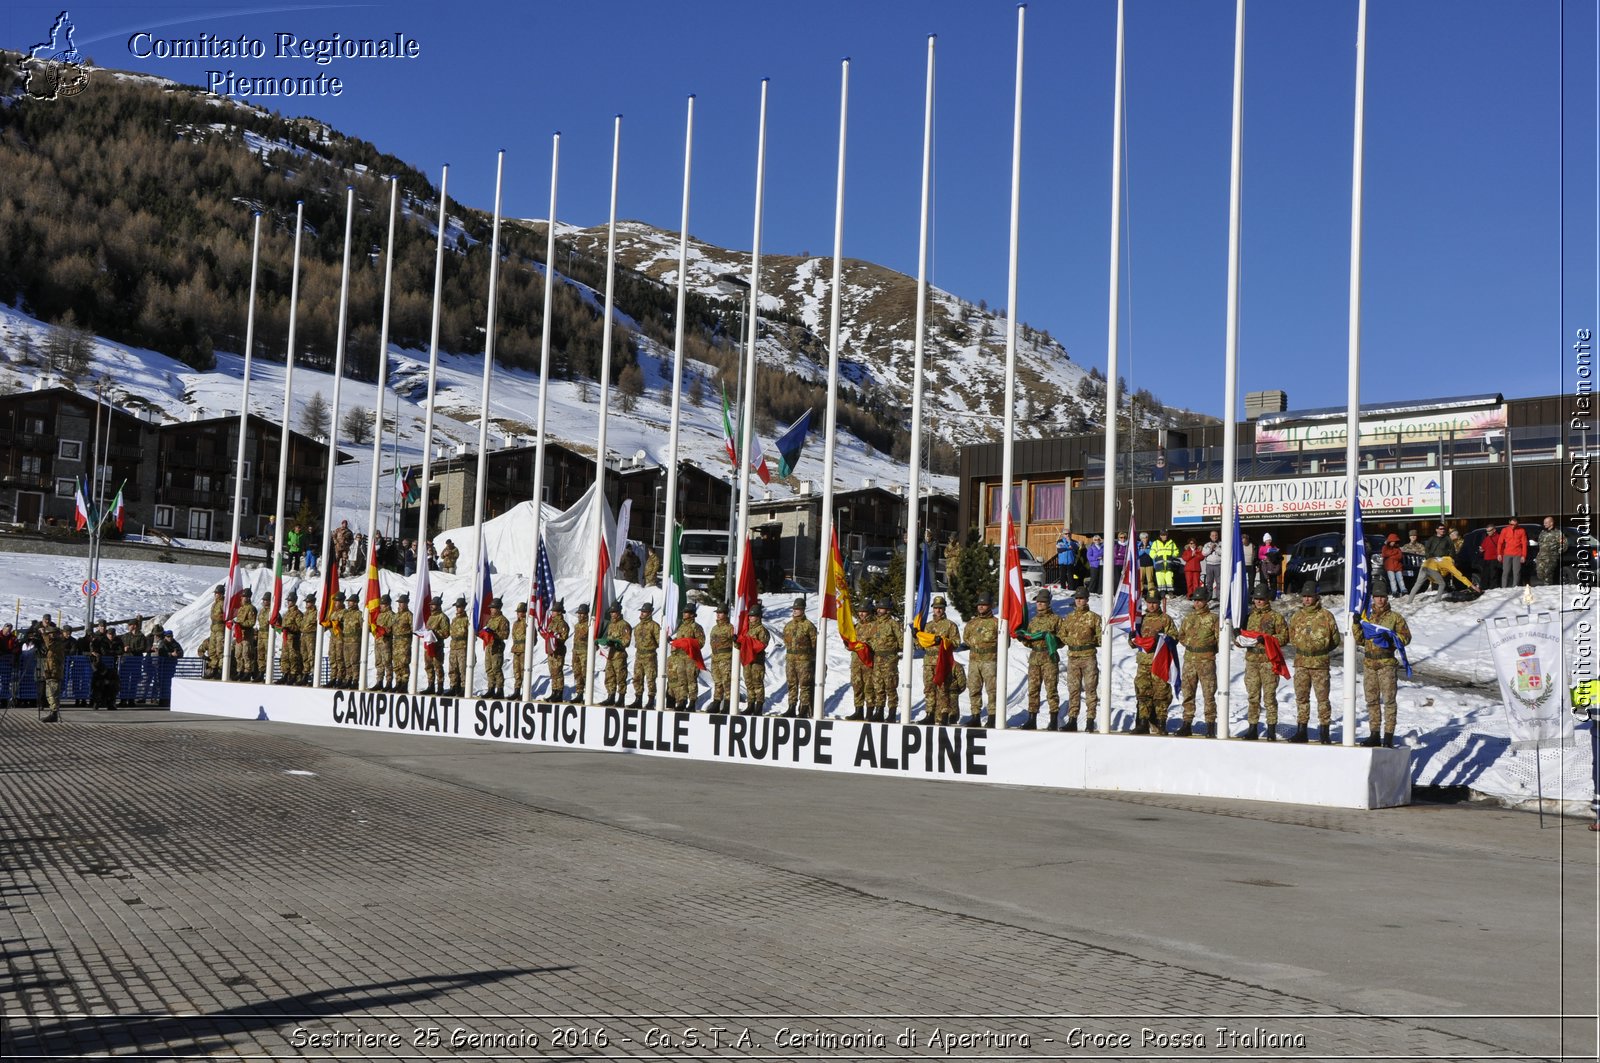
[{"x": 90, "y": 588}]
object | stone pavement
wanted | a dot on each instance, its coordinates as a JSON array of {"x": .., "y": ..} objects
[{"x": 183, "y": 886}]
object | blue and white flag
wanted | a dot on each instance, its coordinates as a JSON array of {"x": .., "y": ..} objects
[
  {"x": 1233, "y": 603},
  {"x": 1356, "y": 588},
  {"x": 1385, "y": 639}
]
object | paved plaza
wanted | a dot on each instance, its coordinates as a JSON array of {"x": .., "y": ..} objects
[{"x": 178, "y": 886}]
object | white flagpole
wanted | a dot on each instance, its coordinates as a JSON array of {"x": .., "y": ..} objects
[
  {"x": 323, "y": 558},
  {"x": 244, "y": 422},
  {"x": 367, "y": 644},
  {"x": 544, "y": 405},
  {"x": 605, "y": 399},
  {"x": 1352, "y": 417},
  {"x": 1230, "y": 387},
  {"x": 482, "y": 500},
  {"x": 423, "y": 538},
  {"x": 1007, "y": 464},
  {"x": 819, "y": 702},
  {"x": 914, "y": 493},
  {"x": 283, "y": 423},
  {"x": 1108, "y": 508},
  {"x": 668, "y": 545},
  {"x": 747, "y": 405}
]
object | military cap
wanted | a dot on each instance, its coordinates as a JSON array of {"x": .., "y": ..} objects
[
  {"x": 1082, "y": 595},
  {"x": 311, "y": 597},
  {"x": 722, "y": 607},
  {"x": 1261, "y": 594},
  {"x": 986, "y": 599},
  {"x": 1151, "y": 597},
  {"x": 338, "y": 596},
  {"x": 405, "y": 598},
  {"x": 688, "y": 607},
  {"x": 616, "y": 607},
  {"x": 438, "y": 599},
  {"x": 559, "y": 607},
  {"x": 755, "y": 609},
  {"x": 460, "y": 602},
  {"x": 522, "y": 607},
  {"x": 265, "y": 594},
  {"x": 217, "y": 589},
  {"x": 494, "y": 603},
  {"x": 1380, "y": 591},
  {"x": 647, "y": 607},
  {"x": 884, "y": 603},
  {"x": 938, "y": 601},
  {"x": 246, "y": 592},
  {"x": 800, "y": 603},
  {"x": 1309, "y": 589},
  {"x": 1041, "y": 595},
  {"x": 583, "y": 609},
  {"x": 385, "y": 598},
  {"x": 1200, "y": 595}
]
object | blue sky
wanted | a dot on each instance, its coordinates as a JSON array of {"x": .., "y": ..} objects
[{"x": 1467, "y": 119}]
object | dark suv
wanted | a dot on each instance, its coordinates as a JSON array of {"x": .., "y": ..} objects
[{"x": 1320, "y": 558}]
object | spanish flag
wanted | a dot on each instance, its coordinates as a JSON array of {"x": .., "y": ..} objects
[{"x": 373, "y": 590}]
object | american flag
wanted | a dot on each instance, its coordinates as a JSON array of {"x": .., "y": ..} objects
[{"x": 544, "y": 591}]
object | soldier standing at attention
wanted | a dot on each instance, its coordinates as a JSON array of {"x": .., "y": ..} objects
[
  {"x": 460, "y": 632},
  {"x": 722, "y": 636},
  {"x": 134, "y": 648},
  {"x": 244, "y": 642},
  {"x": 652, "y": 568},
  {"x": 309, "y": 624},
  {"x": 615, "y": 638},
  {"x": 1260, "y": 679},
  {"x": 1552, "y": 541},
  {"x": 289, "y": 640},
  {"x": 1080, "y": 630},
  {"x": 646, "y": 647},
  {"x": 258, "y": 668},
  {"x": 219, "y": 632},
  {"x": 52, "y": 663},
  {"x": 755, "y": 673},
  {"x": 580, "y": 652},
  {"x": 982, "y": 636},
  {"x": 336, "y": 640},
  {"x": 1198, "y": 636},
  {"x": 383, "y": 644},
  {"x": 1154, "y": 694},
  {"x": 494, "y": 650},
  {"x": 350, "y": 630},
  {"x": 448, "y": 556},
  {"x": 882, "y": 634},
  {"x": 433, "y": 652},
  {"x": 400, "y": 636},
  {"x": 555, "y": 657},
  {"x": 682, "y": 684},
  {"x": 1315, "y": 636},
  {"x": 1379, "y": 668},
  {"x": 519, "y": 651},
  {"x": 800, "y": 659},
  {"x": 1042, "y": 638},
  {"x": 935, "y": 695}
]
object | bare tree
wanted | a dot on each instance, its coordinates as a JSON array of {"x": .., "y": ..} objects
[{"x": 357, "y": 425}]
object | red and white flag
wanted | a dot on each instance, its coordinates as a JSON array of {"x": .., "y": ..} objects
[
  {"x": 742, "y": 601},
  {"x": 1013, "y": 609},
  {"x": 233, "y": 591}
]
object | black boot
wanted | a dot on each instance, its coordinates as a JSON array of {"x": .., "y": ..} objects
[
  {"x": 650, "y": 702},
  {"x": 1388, "y": 739},
  {"x": 1071, "y": 724},
  {"x": 1372, "y": 741},
  {"x": 1300, "y": 736},
  {"x": 1184, "y": 730},
  {"x": 1053, "y": 725},
  {"x": 1249, "y": 734},
  {"x": 1272, "y": 732},
  {"x": 1325, "y": 734},
  {"x": 1030, "y": 723},
  {"x": 638, "y": 702}
]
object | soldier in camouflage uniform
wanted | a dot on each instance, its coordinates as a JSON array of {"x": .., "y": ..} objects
[
  {"x": 555, "y": 657},
  {"x": 350, "y": 627},
  {"x": 310, "y": 625},
  {"x": 1379, "y": 669},
  {"x": 135, "y": 663},
  {"x": 519, "y": 650},
  {"x": 755, "y": 673},
  {"x": 882, "y": 634},
  {"x": 581, "y": 630},
  {"x": 1314, "y": 636},
  {"x": 1153, "y": 694},
  {"x": 936, "y": 696},
  {"x": 433, "y": 654},
  {"x": 494, "y": 650},
  {"x": 616, "y": 636},
  {"x": 800, "y": 659},
  {"x": 289, "y": 641},
  {"x": 244, "y": 641},
  {"x": 460, "y": 632},
  {"x": 51, "y": 666},
  {"x": 858, "y": 684},
  {"x": 646, "y": 657},
  {"x": 722, "y": 636},
  {"x": 1198, "y": 636},
  {"x": 1044, "y": 670},
  {"x": 1552, "y": 541},
  {"x": 383, "y": 644},
  {"x": 683, "y": 685},
  {"x": 1080, "y": 630},
  {"x": 982, "y": 636},
  {"x": 1260, "y": 681},
  {"x": 448, "y": 556},
  {"x": 336, "y": 640},
  {"x": 400, "y": 636},
  {"x": 258, "y": 669},
  {"x": 219, "y": 618}
]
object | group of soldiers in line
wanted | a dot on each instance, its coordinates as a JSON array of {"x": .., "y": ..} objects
[{"x": 110, "y": 656}]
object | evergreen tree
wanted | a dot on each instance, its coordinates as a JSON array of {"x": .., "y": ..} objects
[
  {"x": 977, "y": 572},
  {"x": 315, "y": 416},
  {"x": 357, "y": 425}
]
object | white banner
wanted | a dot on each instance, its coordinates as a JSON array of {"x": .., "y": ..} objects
[
  {"x": 1527, "y": 660},
  {"x": 1425, "y": 492}
]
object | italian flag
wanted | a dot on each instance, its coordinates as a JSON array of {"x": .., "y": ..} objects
[
  {"x": 118, "y": 510},
  {"x": 677, "y": 593},
  {"x": 730, "y": 445},
  {"x": 277, "y": 586}
]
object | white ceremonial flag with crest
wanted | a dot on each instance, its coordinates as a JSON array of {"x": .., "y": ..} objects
[{"x": 1527, "y": 661}]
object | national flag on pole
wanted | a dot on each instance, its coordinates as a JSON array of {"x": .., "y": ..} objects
[
  {"x": 1127, "y": 609},
  {"x": 544, "y": 592},
  {"x": 758, "y": 460},
  {"x": 374, "y": 589},
  {"x": 482, "y": 595},
  {"x": 1356, "y": 591},
  {"x": 730, "y": 445},
  {"x": 836, "y": 603},
  {"x": 118, "y": 510},
  {"x": 1384, "y": 638},
  {"x": 677, "y": 593},
  {"x": 1233, "y": 603},
  {"x": 922, "y": 612},
  {"x": 233, "y": 592},
  {"x": 277, "y": 589},
  {"x": 81, "y": 515},
  {"x": 422, "y": 594},
  {"x": 1013, "y": 609},
  {"x": 619, "y": 539},
  {"x": 406, "y": 487},
  {"x": 602, "y": 589},
  {"x": 1164, "y": 663},
  {"x": 743, "y": 600},
  {"x": 791, "y": 443},
  {"x": 330, "y": 585}
]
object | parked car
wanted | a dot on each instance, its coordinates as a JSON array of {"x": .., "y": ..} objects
[
  {"x": 1032, "y": 570},
  {"x": 1320, "y": 558},
  {"x": 872, "y": 561}
]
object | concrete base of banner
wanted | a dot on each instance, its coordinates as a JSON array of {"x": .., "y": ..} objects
[{"x": 1294, "y": 774}]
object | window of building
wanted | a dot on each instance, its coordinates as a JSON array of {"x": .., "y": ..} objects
[
  {"x": 70, "y": 450},
  {"x": 247, "y": 470},
  {"x": 33, "y": 426},
  {"x": 163, "y": 516},
  {"x": 1049, "y": 503},
  {"x": 202, "y": 481},
  {"x": 66, "y": 488},
  {"x": 32, "y": 465},
  {"x": 991, "y": 507}
]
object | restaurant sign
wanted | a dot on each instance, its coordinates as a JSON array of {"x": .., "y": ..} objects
[{"x": 1425, "y": 492}]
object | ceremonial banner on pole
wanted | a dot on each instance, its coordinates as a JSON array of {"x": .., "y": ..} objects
[{"x": 1527, "y": 661}]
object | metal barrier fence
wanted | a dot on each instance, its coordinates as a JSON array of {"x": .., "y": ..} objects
[{"x": 143, "y": 679}]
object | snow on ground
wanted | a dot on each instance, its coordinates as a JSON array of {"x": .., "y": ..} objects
[{"x": 34, "y": 584}]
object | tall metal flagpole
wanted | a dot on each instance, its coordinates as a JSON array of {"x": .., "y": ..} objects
[
  {"x": 480, "y": 560},
  {"x": 747, "y": 405},
  {"x": 544, "y": 405},
  {"x": 1001, "y": 693},
  {"x": 605, "y": 399},
  {"x": 1352, "y": 416},
  {"x": 423, "y": 538},
  {"x": 95, "y": 464},
  {"x": 819, "y": 702},
  {"x": 1108, "y": 508},
  {"x": 670, "y": 546},
  {"x": 914, "y": 494},
  {"x": 368, "y": 644},
  {"x": 1230, "y": 386},
  {"x": 323, "y": 558},
  {"x": 283, "y": 421},
  {"x": 244, "y": 419}
]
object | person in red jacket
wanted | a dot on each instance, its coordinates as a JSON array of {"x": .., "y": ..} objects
[
  {"x": 1513, "y": 550},
  {"x": 1191, "y": 567},
  {"x": 1394, "y": 565},
  {"x": 1489, "y": 568}
]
